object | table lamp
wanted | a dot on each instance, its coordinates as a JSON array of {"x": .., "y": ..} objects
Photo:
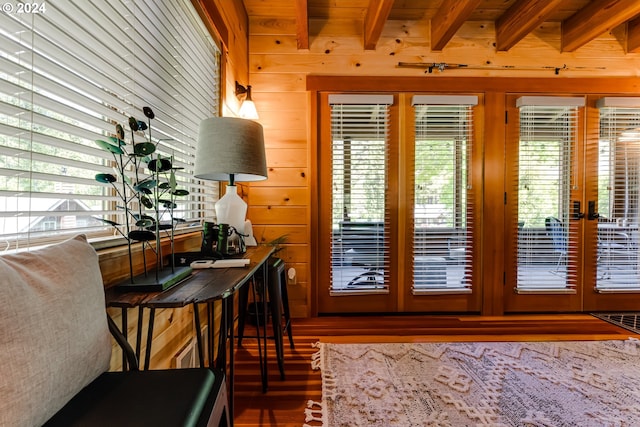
[{"x": 230, "y": 149}]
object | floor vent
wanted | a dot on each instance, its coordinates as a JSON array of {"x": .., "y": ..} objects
[{"x": 629, "y": 321}]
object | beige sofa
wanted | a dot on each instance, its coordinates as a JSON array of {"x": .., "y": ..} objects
[{"x": 56, "y": 348}]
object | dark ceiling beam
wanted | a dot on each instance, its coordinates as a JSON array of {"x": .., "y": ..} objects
[
  {"x": 595, "y": 19},
  {"x": 633, "y": 36},
  {"x": 374, "y": 21},
  {"x": 448, "y": 19},
  {"x": 520, "y": 19},
  {"x": 302, "y": 24}
]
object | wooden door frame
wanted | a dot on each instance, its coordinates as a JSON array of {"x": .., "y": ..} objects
[
  {"x": 537, "y": 301},
  {"x": 492, "y": 248},
  {"x": 595, "y": 300},
  {"x": 439, "y": 302},
  {"x": 400, "y": 296},
  {"x": 353, "y": 303}
]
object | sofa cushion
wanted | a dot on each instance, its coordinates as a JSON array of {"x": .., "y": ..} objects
[
  {"x": 158, "y": 398},
  {"x": 54, "y": 336}
]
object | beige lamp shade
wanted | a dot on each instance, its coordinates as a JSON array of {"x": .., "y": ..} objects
[{"x": 230, "y": 149}]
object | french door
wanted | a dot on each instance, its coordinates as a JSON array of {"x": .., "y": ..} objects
[
  {"x": 573, "y": 168},
  {"x": 397, "y": 197},
  {"x": 613, "y": 205}
]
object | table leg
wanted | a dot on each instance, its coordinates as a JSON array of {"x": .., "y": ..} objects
[
  {"x": 262, "y": 357},
  {"x": 265, "y": 316},
  {"x": 221, "y": 359},
  {"x": 147, "y": 356},
  {"x": 196, "y": 319},
  {"x": 212, "y": 332},
  {"x": 125, "y": 330},
  {"x": 229, "y": 301},
  {"x": 226, "y": 334},
  {"x": 139, "y": 332}
]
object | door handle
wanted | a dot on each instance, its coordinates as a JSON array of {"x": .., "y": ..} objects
[
  {"x": 591, "y": 213},
  {"x": 576, "y": 210}
]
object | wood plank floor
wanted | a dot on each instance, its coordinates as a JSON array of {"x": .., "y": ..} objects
[{"x": 285, "y": 400}]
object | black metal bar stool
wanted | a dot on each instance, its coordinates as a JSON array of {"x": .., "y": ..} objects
[{"x": 278, "y": 306}]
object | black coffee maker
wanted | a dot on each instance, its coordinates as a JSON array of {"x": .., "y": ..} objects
[
  {"x": 221, "y": 240},
  {"x": 210, "y": 232},
  {"x": 230, "y": 241}
]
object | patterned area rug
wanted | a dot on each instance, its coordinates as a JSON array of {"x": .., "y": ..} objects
[{"x": 541, "y": 384}]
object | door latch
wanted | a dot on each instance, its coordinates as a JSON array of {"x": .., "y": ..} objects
[
  {"x": 591, "y": 213},
  {"x": 576, "y": 210}
]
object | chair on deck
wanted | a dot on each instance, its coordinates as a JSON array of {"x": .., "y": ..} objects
[
  {"x": 558, "y": 236},
  {"x": 614, "y": 248},
  {"x": 363, "y": 245}
]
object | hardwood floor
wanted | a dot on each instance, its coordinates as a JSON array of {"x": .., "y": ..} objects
[{"x": 284, "y": 402}]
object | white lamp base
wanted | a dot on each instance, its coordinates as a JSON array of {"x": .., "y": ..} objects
[{"x": 231, "y": 209}]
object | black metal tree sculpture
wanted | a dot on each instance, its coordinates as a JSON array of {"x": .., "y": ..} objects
[{"x": 146, "y": 198}]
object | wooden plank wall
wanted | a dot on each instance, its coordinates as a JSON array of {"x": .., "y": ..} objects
[
  {"x": 279, "y": 206},
  {"x": 278, "y": 71}
]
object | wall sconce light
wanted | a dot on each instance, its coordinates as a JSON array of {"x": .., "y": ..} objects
[{"x": 247, "y": 107}]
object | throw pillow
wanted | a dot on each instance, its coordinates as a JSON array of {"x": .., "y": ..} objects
[{"x": 54, "y": 337}]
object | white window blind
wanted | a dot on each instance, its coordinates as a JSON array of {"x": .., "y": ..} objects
[
  {"x": 443, "y": 208},
  {"x": 68, "y": 75},
  {"x": 618, "y": 194},
  {"x": 546, "y": 242},
  {"x": 359, "y": 240}
]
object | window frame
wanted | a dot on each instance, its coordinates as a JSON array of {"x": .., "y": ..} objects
[{"x": 98, "y": 98}]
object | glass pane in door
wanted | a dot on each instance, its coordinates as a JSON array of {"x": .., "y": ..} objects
[
  {"x": 443, "y": 208},
  {"x": 359, "y": 241},
  {"x": 545, "y": 243},
  {"x": 618, "y": 199}
]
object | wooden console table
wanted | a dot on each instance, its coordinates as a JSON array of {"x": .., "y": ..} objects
[{"x": 203, "y": 286}]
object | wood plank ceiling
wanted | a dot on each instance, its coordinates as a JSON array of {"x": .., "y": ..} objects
[{"x": 581, "y": 20}]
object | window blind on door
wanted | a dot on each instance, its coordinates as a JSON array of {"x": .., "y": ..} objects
[
  {"x": 69, "y": 75},
  {"x": 443, "y": 203},
  {"x": 546, "y": 170},
  {"x": 618, "y": 194},
  {"x": 360, "y": 216}
]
